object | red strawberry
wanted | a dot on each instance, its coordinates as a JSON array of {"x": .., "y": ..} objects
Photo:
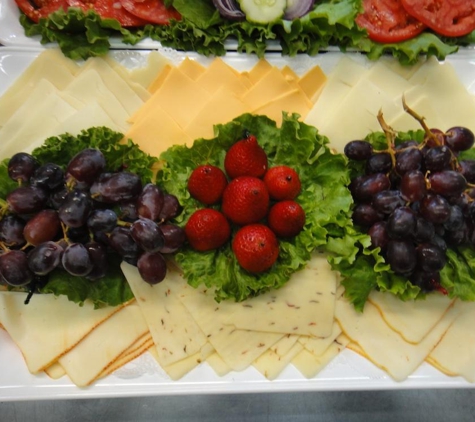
[
  {"x": 245, "y": 158},
  {"x": 286, "y": 218},
  {"x": 245, "y": 200},
  {"x": 207, "y": 184},
  {"x": 282, "y": 183},
  {"x": 207, "y": 229},
  {"x": 256, "y": 247}
]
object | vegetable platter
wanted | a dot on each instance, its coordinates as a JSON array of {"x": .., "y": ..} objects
[{"x": 143, "y": 376}]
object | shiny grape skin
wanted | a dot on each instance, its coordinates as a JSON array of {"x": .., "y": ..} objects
[
  {"x": 11, "y": 231},
  {"x": 358, "y": 150},
  {"x": 128, "y": 211},
  {"x": 456, "y": 218},
  {"x": 98, "y": 255},
  {"x": 122, "y": 242},
  {"x": 459, "y": 138},
  {"x": 174, "y": 238},
  {"x": 171, "y": 208},
  {"x": 21, "y": 167},
  {"x": 57, "y": 197},
  {"x": 150, "y": 202},
  {"x": 76, "y": 260},
  {"x": 48, "y": 176},
  {"x": 425, "y": 281},
  {"x": 406, "y": 144},
  {"x": 407, "y": 160},
  {"x": 435, "y": 208},
  {"x": 87, "y": 165},
  {"x": 14, "y": 268},
  {"x": 425, "y": 230},
  {"x": 467, "y": 170},
  {"x": 379, "y": 162},
  {"x": 371, "y": 185},
  {"x": 75, "y": 209},
  {"x": 387, "y": 201},
  {"x": 147, "y": 234},
  {"x": 413, "y": 186},
  {"x": 27, "y": 199},
  {"x": 116, "y": 187},
  {"x": 401, "y": 256},
  {"x": 102, "y": 220},
  {"x": 401, "y": 223},
  {"x": 152, "y": 267},
  {"x": 430, "y": 257},
  {"x": 365, "y": 215},
  {"x": 44, "y": 258},
  {"x": 379, "y": 235},
  {"x": 447, "y": 183},
  {"x": 42, "y": 227},
  {"x": 437, "y": 158}
]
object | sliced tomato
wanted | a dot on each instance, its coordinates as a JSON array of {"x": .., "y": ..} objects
[
  {"x": 452, "y": 18},
  {"x": 388, "y": 22},
  {"x": 111, "y": 9},
  {"x": 154, "y": 11},
  {"x": 40, "y": 9}
]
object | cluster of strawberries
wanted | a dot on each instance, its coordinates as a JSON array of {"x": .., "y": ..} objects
[{"x": 253, "y": 195}]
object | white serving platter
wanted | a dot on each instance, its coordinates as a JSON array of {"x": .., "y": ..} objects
[{"x": 144, "y": 377}]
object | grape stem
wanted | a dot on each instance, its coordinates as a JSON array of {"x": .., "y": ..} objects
[
  {"x": 390, "y": 136},
  {"x": 421, "y": 121}
]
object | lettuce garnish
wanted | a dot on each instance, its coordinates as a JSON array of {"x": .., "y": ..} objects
[
  {"x": 202, "y": 29},
  {"x": 324, "y": 197}
]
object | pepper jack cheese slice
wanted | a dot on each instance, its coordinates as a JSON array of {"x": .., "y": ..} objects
[
  {"x": 175, "y": 333},
  {"x": 287, "y": 310},
  {"x": 271, "y": 364},
  {"x": 383, "y": 346},
  {"x": 55, "y": 323}
]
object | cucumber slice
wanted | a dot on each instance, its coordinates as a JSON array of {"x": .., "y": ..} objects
[{"x": 263, "y": 11}]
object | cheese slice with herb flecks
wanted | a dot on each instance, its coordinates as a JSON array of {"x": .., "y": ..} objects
[
  {"x": 175, "y": 333},
  {"x": 287, "y": 310}
]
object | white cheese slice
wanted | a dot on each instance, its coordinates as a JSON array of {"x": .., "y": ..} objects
[
  {"x": 318, "y": 345},
  {"x": 271, "y": 364},
  {"x": 287, "y": 310},
  {"x": 219, "y": 366},
  {"x": 175, "y": 333},
  {"x": 48, "y": 326},
  {"x": 55, "y": 371}
]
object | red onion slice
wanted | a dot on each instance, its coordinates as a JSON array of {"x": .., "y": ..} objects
[
  {"x": 297, "y": 8},
  {"x": 229, "y": 9}
]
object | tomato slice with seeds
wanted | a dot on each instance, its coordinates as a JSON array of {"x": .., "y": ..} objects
[
  {"x": 109, "y": 9},
  {"x": 388, "y": 22},
  {"x": 452, "y": 18},
  {"x": 40, "y": 9},
  {"x": 154, "y": 11}
]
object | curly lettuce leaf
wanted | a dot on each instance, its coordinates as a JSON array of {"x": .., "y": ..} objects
[
  {"x": 324, "y": 197},
  {"x": 202, "y": 29}
]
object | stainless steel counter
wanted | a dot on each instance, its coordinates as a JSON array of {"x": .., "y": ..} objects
[{"x": 384, "y": 406}]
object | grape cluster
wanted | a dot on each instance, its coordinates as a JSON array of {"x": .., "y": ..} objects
[
  {"x": 74, "y": 218},
  {"x": 415, "y": 200}
]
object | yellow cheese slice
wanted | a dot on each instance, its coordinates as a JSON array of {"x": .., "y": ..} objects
[
  {"x": 159, "y": 79},
  {"x": 412, "y": 319},
  {"x": 238, "y": 348},
  {"x": 50, "y": 65},
  {"x": 222, "y": 107},
  {"x": 390, "y": 352},
  {"x": 271, "y": 364},
  {"x": 217, "y": 75},
  {"x": 455, "y": 353},
  {"x": 174, "y": 331},
  {"x": 95, "y": 352},
  {"x": 48, "y": 326},
  {"x": 260, "y": 69},
  {"x": 309, "y": 365},
  {"x": 191, "y": 68},
  {"x": 154, "y": 138},
  {"x": 312, "y": 82},
  {"x": 286, "y": 310}
]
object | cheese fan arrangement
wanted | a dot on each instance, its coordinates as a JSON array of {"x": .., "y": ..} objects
[{"x": 306, "y": 323}]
